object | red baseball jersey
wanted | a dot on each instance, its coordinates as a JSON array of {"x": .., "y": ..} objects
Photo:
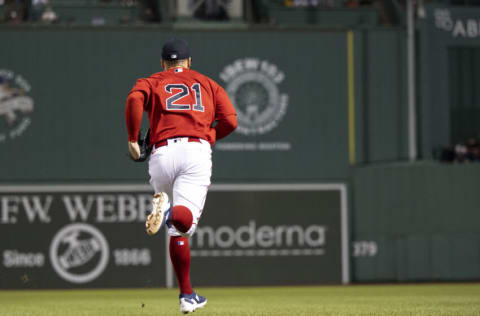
[{"x": 183, "y": 102}]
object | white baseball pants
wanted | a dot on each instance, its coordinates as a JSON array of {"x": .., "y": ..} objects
[{"x": 182, "y": 169}]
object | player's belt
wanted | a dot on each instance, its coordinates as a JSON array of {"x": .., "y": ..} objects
[{"x": 165, "y": 141}]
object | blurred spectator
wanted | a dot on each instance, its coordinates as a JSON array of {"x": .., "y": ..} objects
[
  {"x": 211, "y": 10},
  {"x": 259, "y": 11},
  {"x": 385, "y": 8},
  {"x": 468, "y": 151},
  {"x": 15, "y": 11},
  {"x": 473, "y": 149},
  {"x": 386, "y": 11},
  {"x": 42, "y": 11},
  {"x": 351, "y": 4},
  {"x": 128, "y": 3},
  {"x": 98, "y": 20},
  {"x": 49, "y": 16},
  {"x": 37, "y": 9},
  {"x": 309, "y": 3},
  {"x": 149, "y": 11}
]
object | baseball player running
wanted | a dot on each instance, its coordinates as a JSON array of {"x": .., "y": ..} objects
[{"x": 188, "y": 112}]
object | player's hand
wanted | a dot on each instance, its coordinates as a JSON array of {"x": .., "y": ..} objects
[
  {"x": 134, "y": 150},
  {"x": 140, "y": 150}
]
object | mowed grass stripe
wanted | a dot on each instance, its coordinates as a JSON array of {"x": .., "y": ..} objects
[{"x": 421, "y": 299}]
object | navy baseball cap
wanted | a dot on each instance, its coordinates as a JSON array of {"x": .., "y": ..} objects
[{"x": 175, "y": 49}]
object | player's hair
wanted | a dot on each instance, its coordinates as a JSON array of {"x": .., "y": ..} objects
[{"x": 174, "y": 63}]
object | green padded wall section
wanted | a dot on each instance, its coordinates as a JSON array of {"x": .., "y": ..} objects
[
  {"x": 424, "y": 219},
  {"x": 380, "y": 90},
  {"x": 80, "y": 78},
  {"x": 464, "y": 74}
]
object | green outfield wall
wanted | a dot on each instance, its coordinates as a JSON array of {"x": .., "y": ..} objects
[
  {"x": 416, "y": 222},
  {"x": 308, "y": 114},
  {"x": 380, "y": 96},
  {"x": 64, "y": 91}
]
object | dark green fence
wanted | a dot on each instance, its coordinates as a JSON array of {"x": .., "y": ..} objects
[
  {"x": 464, "y": 92},
  {"x": 416, "y": 222},
  {"x": 380, "y": 104}
]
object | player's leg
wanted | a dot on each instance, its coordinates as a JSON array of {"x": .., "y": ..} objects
[
  {"x": 162, "y": 175},
  {"x": 183, "y": 221},
  {"x": 163, "y": 172},
  {"x": 190, "y": 187},
  {"x": 189, "y": 195},
  {"x": 181, "y": 228}
]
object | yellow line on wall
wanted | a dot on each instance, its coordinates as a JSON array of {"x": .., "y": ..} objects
[{"x": 351, "y": 97}]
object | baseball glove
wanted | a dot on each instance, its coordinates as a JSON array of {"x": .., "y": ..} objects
[{"x": 145, "y": 147}]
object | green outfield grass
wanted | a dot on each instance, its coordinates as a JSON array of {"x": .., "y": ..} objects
[{"x": 423, "y": 299}]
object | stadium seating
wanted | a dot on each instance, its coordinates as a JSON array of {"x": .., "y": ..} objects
[
  {"x": 332, "y": 13},
  {"x": 332, "y": 17},
  {"x": 328, "y": 13},
  {"x": 94, "y": 12}
]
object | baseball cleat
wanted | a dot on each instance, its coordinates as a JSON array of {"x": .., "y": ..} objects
[
  {"x": 160, "y": 208},
  {"x": 189, "y": 303}
]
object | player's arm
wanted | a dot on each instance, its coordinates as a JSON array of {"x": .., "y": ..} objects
[
  {"x": 133, "y": 118},
  {"x": 225, "y": 115},
  {"x": 135, "y": 105}
]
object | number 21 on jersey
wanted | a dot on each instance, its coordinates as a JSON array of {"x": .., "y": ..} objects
[{"x": 180, "y": 90}]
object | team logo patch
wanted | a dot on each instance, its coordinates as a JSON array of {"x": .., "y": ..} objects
[
  {"x": 79, "y": 253},
  {"x": 253, "y": 86},
  {"x": 16, "y": 105}
]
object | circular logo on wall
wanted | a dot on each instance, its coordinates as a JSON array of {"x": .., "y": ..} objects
[
  {"x": 79, "y": 253},
  {"x": 16, "y": 105},
  {"x": 253, "y": 87}
]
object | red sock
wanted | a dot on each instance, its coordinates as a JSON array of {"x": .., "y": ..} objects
[
  {"x": 180, "y": 257},
  {"x": 181, "y": 218}
]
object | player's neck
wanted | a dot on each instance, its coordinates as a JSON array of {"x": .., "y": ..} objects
[{"x": 174, "y": 67}]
